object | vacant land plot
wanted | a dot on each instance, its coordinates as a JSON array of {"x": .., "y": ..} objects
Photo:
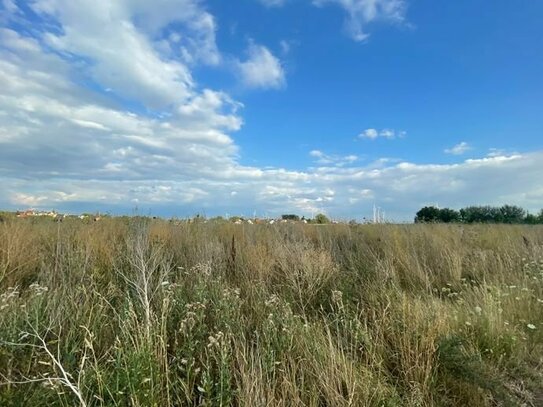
[{"x": 136, "y": 312}]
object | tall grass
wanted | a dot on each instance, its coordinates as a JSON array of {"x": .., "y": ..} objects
[{"x": 138, "y": 312}]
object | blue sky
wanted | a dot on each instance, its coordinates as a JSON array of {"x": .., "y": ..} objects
[{"x": 300, "y": 106}]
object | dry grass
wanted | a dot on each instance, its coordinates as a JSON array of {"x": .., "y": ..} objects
[{"x": 136, "y": 312}]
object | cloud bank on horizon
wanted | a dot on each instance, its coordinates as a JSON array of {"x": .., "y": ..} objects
[{"x": 102, "y": 105}]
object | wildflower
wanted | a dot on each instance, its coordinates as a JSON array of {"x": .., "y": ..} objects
[
  {"x": 214, "y": 340},
  {"x": 468, "y": 323},
  {"x": 11, "y": 294},
  {"x": 38, "y": 289},
  {"x": 337, "y": 295},
  {"x": 531, "y": 326},
  {"x": 273, "y": 300},
  {"x": 478, "y": 310}
]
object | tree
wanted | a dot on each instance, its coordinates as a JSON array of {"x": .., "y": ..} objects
[
  {"x": 290, "y": 217},
  {"x": 512, "y": 214},
  {"x": 321, "y": 219},
  {"x": 480, "y": 214},
  {"x": 531, "y": 219},
  {"x": 447, "y": 215},
  {"x": 427, "y": 214},
  {"x": 540, "y": 216}
]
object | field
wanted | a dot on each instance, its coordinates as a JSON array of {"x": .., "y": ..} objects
[{"x": 140, "y": 312}]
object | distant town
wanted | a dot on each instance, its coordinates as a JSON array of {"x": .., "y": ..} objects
[{"x": 318, "y": 219}]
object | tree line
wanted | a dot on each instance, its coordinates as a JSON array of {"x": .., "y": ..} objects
[{"x": 511, "y": 214}]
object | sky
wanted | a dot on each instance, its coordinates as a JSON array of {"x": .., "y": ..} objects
[{"x": 237, "y": 107}]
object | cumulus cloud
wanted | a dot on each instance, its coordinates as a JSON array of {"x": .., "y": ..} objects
[
  {"x": 262, "y": 69},
  {"x": 390, "y": 134},
  {"x": 117, "y": 44},
  {"x": 60, "y": 87},
  {"x": 336, "y": 160},
  {"x": 360, "y": 13},
  {"x": 460, "y": 148},
  {"x": 399, "y": 188},
  {"x": 96, "y": 113}
]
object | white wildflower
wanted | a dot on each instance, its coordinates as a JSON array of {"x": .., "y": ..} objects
[{"x": 337, "y": 295}]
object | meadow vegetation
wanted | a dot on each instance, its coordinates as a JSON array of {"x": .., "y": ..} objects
[{"x": 141, "y": 312}]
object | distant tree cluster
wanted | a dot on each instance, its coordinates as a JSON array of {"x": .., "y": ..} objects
[
  {"x": 5, "y": 216},
  {"x": 290, "y": 217},
  {"x": 478, "y": 214},
  {"x": 320, "y": 218}
]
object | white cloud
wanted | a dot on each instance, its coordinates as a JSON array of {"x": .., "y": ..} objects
[
  {"x": 387, "y": 133},
  {"x": 390, "y": 134},
  {"x": 362, "y": 12},
  {"x": 262, "y": 69},
  {"x": 400, "y": 189},
  {"x": 336, "y": 160},
  {"x": 53, "y": 127},
  {"x": 459, "y": 149},
  {"x": 116, "y": 44},
  {"x": 67, "y": 143},
  {"x": 369, "y": 133},
  {"x": 497, "y": 152}
]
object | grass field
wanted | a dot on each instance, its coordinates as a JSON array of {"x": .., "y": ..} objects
[{"x": 137, "y": 312}]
